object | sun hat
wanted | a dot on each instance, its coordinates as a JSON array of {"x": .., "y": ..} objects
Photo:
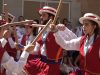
[
  {"x": 90, "y": 16},
  {"x": 48, "y": 10}
]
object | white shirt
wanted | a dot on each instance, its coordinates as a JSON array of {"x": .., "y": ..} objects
[
  {"x": 15, "y": 67},
  {"x": 64, "y": 42},
  {"x": 63, "y": 34},
  {"x": 8, "y": 62},
  {"x": 20, "y": 32},
  {"x": 42, "y": 49},
  {"x": 30, "y": 39},
  {"x": 74, "y": 43}
]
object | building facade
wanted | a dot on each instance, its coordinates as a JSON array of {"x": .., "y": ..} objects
[{"x": 71, "y": 9}]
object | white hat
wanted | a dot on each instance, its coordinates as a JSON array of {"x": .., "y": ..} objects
[
  {"x": 90, "y": 16},
  {"x": 48, "y": 10}
]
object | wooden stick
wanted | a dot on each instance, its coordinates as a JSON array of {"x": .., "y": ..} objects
[
  {"x": 16, "y": 23},
  {"x": 6, "y": 12},
  {"x": 57, "y": 13},
  {"x": 41, "y": 32},
  {"x": 36, "y": 25},
  {"x": 54, "y": 21}
]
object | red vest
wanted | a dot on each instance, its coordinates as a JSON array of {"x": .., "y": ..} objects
[
  {"x": 24, "y": 38},
  {"x": 37, "y": 67},
  {"x": 52, "y": 47},
  {"x": 11, "y": 51},
  {"x": 91, "y": 62},
  {"x": 1, "y": 54},
  {"x": 23, "y": 41}
]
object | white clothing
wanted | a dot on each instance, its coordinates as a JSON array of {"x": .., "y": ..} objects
[
  {"x": 10, "y": 40},
  {"x": 64, "y": 41},
  {"x": 63, "y": 34},
  {"x": 30, "y": 39},
  {"x": 8, "y": 62},
  {"x": 20, "y": 32},
  {"x": 74, "y": 43}
]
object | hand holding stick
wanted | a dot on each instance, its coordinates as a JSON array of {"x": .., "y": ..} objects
[
  {"x": 41, "y": 32},
  {"x": 54, "y": 22},
  {"x": 53, "y": 25},
  {"x": 49, "y": 22}
]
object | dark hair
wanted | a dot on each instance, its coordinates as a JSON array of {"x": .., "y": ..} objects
[
  {"x": 65, "y": 19},
  {"x": 20, "y": 17},
  {"x": 49, "y": 16},
  {"x": 37, "y": 21},
  {"x": 35, "y": 30},
  {"x": 96, "y": 31}
]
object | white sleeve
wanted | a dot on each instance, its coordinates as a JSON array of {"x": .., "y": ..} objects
[
  {"x": 68, "y": 41},
  {"x": 19, "y": 35},
  {"x": 3, "y": 42},
  {"x": 9, "y": 63},
  {"x": 20, "y": 39},
  {"x": 67, "y": 34},
  {"x": 36, "y": 48}
]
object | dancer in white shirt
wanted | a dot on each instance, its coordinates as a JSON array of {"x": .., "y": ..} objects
[
  {"x": 7, "y": 62},
  {"x": 88, "y": 45}
]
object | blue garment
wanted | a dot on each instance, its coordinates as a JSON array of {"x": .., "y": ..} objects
[
  {"x": 44, "y": 36},
  {"x": 86, "y": 46}
]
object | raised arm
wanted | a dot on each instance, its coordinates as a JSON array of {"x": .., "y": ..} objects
[
  {"x": 67, "y": 39},
  {"x": 13, "y": 66}
]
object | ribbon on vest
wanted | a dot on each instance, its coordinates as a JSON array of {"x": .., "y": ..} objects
[{"x": 86, "y": 46}]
